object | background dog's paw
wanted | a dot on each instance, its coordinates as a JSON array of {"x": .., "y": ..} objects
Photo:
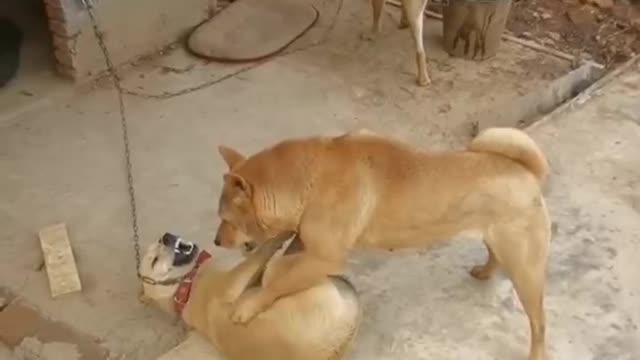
[
  {"x": 368, "y": 36},
  {"x": 423, "y": 80}
]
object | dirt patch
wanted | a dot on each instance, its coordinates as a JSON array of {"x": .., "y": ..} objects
[
  {"x": 32, "y": 336},
  {"x": 606, "y": 30}
]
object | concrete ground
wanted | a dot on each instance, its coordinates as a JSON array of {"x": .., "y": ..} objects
[{"x": 61, "y": 161}]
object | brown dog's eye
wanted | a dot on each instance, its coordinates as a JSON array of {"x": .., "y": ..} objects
[
  {"x": 239, "y": 184},
  {"x": 154, "y": 261}
]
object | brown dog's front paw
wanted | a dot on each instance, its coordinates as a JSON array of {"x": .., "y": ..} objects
[
  {"x": 229, "y": 297},
  {"x": 248, "y": 306},
  {"x": 239, "y": 317}
]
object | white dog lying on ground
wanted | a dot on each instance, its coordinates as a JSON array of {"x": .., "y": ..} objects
[{"x": 316, "y": 324}]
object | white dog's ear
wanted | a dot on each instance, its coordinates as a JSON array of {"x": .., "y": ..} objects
[{"x": 230, "y": 156}]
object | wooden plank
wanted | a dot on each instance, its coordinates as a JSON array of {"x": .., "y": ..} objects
[{"x": 59, "y": 260}]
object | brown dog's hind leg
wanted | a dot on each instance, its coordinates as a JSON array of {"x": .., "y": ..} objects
[
  {"x": 529, "y": 284},
  {"x": 485, "y": 271},
  {"x": 376, "y": 26},
  {"x": 526, "y": 266},
  {"x": 415, "y": 16}
]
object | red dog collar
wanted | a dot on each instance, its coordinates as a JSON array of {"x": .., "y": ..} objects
[{"x": 183, "y": 292}]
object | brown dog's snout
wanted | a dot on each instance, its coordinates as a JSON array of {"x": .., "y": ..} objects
[
  {"x": 221, "y": 235},
  {"x": 229, "y": 236}
]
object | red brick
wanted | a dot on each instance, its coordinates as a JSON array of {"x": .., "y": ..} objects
[
  {"x": 65, "y": 57},
  {"x": 64, "y": 44},
  {"x": 66, "y": 71},
  {"x": 55, "y": 13},
  {"x": 62, "y": 28},
  {"x": 54, "y": 3}
]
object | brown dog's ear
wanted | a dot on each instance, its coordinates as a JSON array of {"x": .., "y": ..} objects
[
  {"x": 239, "y": 183},
  {"x": 230, "y": 156}
]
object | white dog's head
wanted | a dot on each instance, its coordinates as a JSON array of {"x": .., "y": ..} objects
[
  {"x": 168, "y": 260},
  {"x": 164, "y": 265}
]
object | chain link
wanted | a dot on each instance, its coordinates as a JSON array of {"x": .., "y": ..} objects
[{"x": 125, "y": 131}]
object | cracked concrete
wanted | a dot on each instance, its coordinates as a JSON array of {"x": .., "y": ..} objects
[{"x": 61, "y": 161}]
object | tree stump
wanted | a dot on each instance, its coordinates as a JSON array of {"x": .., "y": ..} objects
[{"x": 472, "y": 28}]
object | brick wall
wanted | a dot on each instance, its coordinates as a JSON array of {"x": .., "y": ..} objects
[
  {"x": 132, "y": 28},
  {"x": 64, "y": 35}
]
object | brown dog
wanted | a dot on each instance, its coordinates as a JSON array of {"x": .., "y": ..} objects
[
  {"x": 364, "y": 190},
  {"x": 317, "y": 324},
  {"x": 412, "y": 17}
]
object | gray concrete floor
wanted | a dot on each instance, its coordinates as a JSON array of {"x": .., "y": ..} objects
[{"x": 61, "y": 161}]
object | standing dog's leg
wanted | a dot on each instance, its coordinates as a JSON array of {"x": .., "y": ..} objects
[
  {"x": 248, "y": 271},
  {"x": 377, "y": 7},
  {"x": 327, "y": 237},
  {"x": 526, "y": 266},
  {"x": 295, "y": 273},
  {"x": 414, "y": 10}
]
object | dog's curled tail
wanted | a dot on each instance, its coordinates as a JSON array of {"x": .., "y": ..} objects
[{"x": 514, "y": 144}]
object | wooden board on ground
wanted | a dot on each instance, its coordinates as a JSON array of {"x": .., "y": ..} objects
[{"x": 59, "y": 260}]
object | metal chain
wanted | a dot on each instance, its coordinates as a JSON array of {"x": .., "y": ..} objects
[
  {"x": 125, "y": 131},
  {"x": 89, "y": 6}
]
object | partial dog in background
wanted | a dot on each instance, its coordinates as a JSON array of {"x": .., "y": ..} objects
[{"x": 413, "y": 18}]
